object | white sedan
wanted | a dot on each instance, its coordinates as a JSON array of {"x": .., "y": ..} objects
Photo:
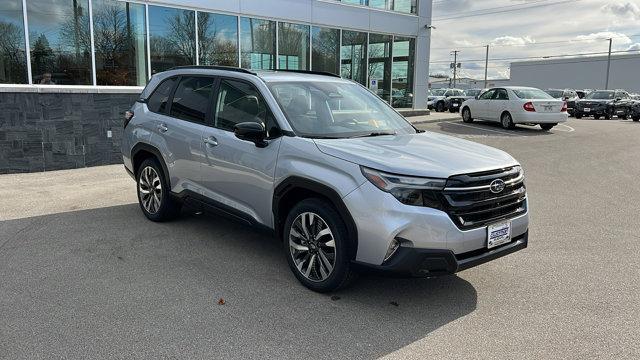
[{"x": 512, "y": 105}]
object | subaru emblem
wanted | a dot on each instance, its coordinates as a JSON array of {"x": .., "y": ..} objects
[{"x": 497, "y": 186}]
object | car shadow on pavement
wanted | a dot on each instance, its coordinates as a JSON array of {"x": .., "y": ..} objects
[
  {"x": 490, "y": 129},
  {"x": 109, "y": 283}
]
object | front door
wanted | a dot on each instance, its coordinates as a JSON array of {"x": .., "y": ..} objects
[
  {"x": 480, "y": 109},
  {"x": 237, "y": 173}
]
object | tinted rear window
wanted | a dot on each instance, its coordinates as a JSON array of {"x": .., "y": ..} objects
[
  {"x": 531, "y": 94},
  {"x": 192, "y": 98},
  {"x": 602, "y": 95},
  {"x": 158, "y": 100}
]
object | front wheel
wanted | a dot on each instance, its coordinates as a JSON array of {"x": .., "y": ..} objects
[
  {"x": 316, "y": 244},
  {"x": 466, "y": 115},
  {"x": 636, "y": 118},
  {"x": 547, "y": 127},
  {"x": 623, "y": 117},
  {"x": 578, "y": 116},
  {"x": 506, "y": 121},
  {"x": 440, "y": 107},
  {"x": 596, "y": 117},
  {"x": 154, "y": 193}
]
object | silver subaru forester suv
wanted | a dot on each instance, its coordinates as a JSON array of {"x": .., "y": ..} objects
[{"x": 342, "y": 179}]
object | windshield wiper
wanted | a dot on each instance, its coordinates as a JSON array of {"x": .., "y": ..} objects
[{"x": 377, "y": 133}]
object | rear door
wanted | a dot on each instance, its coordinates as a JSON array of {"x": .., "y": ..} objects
[
  {"x": 173, "y": 136},
  {"x": 498, "y": 103},
  {"x": 237, "y": 174}
]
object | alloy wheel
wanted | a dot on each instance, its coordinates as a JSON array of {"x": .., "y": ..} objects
[
  {"x": 150, "y": 189},
  {"x": 312, "y": 246}
]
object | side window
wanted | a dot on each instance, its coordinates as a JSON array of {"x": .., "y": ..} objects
[
  {"x": 158, "y": 100},
  {"x": 191, "y": 99},
  {"x": 501, "y": 94},
  {"x": 487, "y": 94},
  {"x": 238, "y": 102}
]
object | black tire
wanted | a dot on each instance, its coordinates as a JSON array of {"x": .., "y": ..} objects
[
  {"x": 607, "y": 116},
  {"x": 452, "y": 110},
  {"x": 578, "y": 116},
  {"x": 506, "y": 121},
  {"x": 547, "y": 127},
  {"x": 623, "y": 117},
  {"x": 596, "y": 117},
  {"x": 636, "y": 118},
  {"x": 341, "y": 274},
  {"x": 466, "y": 115},
  {"x": 440, "y": 106},
  {"x": 169, "y": 208}
]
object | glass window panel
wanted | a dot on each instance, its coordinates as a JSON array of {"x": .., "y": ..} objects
[
  {"x": 172, "y": 38},
  {"x": 238, "y": 102},
  {"x": 355, "y": 2},
  {"x": 402, "y": 72},
  {"x": 325, "y": 55},
  {"x": 60, "y": 42},
  {"x": 13, "y": 61},
  {"x": 218, "y": 39},
  {"x": 380, "y": 4},
  {"x": 405, "y": 6},
  {"x": 192, "y": 98},
  {"x": 158, "y": 100},
  {"x": 257, "y": 43},
  {"x": 120, "y": 43},
  {"x": 354, "y": 56},
  {"x": 293, "y": 49},
  {"x": 380, "y": 64}
]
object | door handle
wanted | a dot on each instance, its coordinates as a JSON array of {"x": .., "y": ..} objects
[
  {"x": 163, "y": 128},
  {"x": 211, "y": 141}
]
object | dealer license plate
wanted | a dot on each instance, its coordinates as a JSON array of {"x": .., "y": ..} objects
[
  {"x": 587, "y": 109},
  {"x": 498, "y": 234},
  {"x": 456, "y": 105}
]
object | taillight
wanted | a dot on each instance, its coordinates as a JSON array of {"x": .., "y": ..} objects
[
  {"x": 564, "y": 107},
  {"x": 128, "y": 115},
  {"x": 529, "y": 107}
]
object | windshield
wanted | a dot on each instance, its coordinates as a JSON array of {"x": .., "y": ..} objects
[
  {"x": 555, "y": 93},
  {"x": 601, "y": 95},
  {"x": 525, "y": 93},
  {"x": 438, "y": 92},
  {"x": 473, "y": 93},
  {"x": 336, "y": 110}
]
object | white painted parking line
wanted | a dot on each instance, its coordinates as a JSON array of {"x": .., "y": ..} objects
[
  {"x": 569, "y": 128},
  {"x": 482, "y": 128}
]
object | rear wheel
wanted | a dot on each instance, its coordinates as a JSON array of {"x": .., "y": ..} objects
[
  {"x": 547, "y": 127},
  {"x": 607, "y": 116},
  {"x": 506, "y": 121},
  {"x": 623, "y": 117},
  {"x": 596, "y": 117},
  {"x": 466, "y": 115},
  {"x": 636, "y": 118},
  {"x": 154, "y": 193},
  {"x": 440, "y": 107},
  {"x": 578, "y": 116},
  {"x": 317, "y": 246}
]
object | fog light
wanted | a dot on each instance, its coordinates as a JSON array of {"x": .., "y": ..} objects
[{"x": 393, "y": 247}]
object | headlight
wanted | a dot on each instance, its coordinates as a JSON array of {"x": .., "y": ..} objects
[{"x": 409, "y": 190}]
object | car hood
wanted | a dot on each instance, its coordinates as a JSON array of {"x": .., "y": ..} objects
[
  {"x": 425, "y": 154},
  {"x": 597, "y": 101}
]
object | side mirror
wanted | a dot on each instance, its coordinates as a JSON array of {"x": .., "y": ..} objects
[{"x": 251, "y": 131}]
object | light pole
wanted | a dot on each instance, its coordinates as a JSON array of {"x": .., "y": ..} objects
[
  {"x": 486, "y": 67},
  {"x": 606, "y": 86}
]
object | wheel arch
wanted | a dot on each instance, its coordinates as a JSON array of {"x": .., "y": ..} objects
[
  {"x": 295, "y": 189},
  {"x": 143, "y": 151}
]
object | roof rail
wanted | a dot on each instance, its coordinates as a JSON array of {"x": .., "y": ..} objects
[
  {"x": 213, "y": 67},
  {"x": 325, "y": 73}
]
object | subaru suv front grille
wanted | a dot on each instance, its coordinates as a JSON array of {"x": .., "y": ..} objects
[{"x": 475, "y": 200}]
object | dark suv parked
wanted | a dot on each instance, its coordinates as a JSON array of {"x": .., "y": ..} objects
[{"x": 603, "y": 103}]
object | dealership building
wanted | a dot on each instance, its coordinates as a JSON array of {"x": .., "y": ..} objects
[{"x": 70, "y": 68}]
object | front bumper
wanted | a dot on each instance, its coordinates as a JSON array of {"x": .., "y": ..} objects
[
  {"x": 412, "y": 262},
  {"x": 380, "y": 218}
]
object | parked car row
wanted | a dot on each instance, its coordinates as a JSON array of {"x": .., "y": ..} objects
[{"x": 450, "y": 100}]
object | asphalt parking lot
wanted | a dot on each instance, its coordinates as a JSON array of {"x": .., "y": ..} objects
[{"x": 84, "y": 275}]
